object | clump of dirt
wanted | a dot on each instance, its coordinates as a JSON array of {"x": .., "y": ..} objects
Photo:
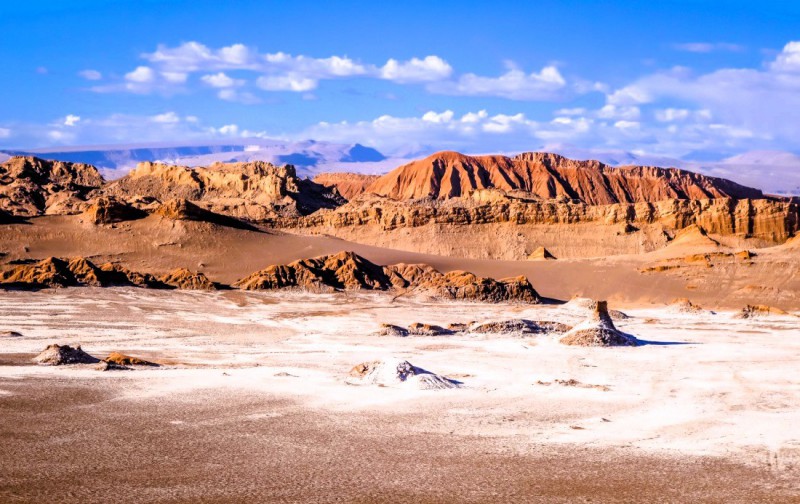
[
  {"x": 182, "y": 278},
  {"x": 755, "y": 311},
  {"x": 684, "y": 305},
  {"x": 110, "y": 366},
  {"x": 392, "y": 330},
  {"x": 520, "y": 326},
  {"x": 126, "y": 360},
  {"x": 58, "y": 355},
  {"x": 419, "y": 329}
]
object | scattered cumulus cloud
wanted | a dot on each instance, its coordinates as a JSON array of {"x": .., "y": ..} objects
[
  {"x": 515, "y": 84},
  {"x": 71, "y": 120},
  {"x": 430, "y": 68},
  {"x": 92, "y": 75}
]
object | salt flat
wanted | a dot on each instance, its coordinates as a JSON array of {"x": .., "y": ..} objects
[{"x": 705, "y": 386}]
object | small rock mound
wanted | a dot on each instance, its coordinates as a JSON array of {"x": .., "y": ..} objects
[
  {"x": 50, "y": 272},
  {"x": 126, "y": 360},
  {"x": 519, "y": 326},
  {"x": 181, "y": 209},
  {"x": 684, "y": 305},
  {"x": 396, "y": 372},
  {"x": 392, "y": 330},
  {"x": 598, "y": 330},
  {"x": 182, "y": 278},
  {"x": 419, "y": 329},
  {"x": 58, "y": 355},
  {"x": 108, "y": 210},
  {"x": 104, "y": 365},
  {"x": 541, "y": 254},
  {"x": 10, "y": 334},
  {"x": 755, "y": 311}
]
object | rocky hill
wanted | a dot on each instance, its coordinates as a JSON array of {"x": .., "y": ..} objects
[
  {"x": 253, "y": 191},
  {"x": 31, "y": 186},
  {"x": 547, "y": 176}
]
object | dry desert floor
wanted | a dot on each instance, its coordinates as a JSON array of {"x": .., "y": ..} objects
[{"x": 251, "y": 403}]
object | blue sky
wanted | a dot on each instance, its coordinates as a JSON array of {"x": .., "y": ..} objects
[{"x": 677, "y": 78}]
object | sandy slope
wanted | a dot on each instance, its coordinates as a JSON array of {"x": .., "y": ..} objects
[
  {"x": 256, "y": 383},
  {"x": 158, "y": 245}
]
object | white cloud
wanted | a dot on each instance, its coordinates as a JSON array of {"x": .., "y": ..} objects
[
  {"x": 229, "y": 130},
  {"x": 610, "y": 111},
  {"x": 141, "y": 75},
  {"x": 707, "y": 47},
  {"x": 194, "y": 56},
  {"x": 514, "y": 84},
  {"x": 289, "y": 82},
  {"x": 71, "y": 120},
  {"x": 672, "y": 114},
  {"x": 221, "y": 80},
  {"x": 430, "y": 68},
  {"x": 789, "y": 59},
  {"x": 91, "y": 75},
  {"x": 166, "y": 118},
  {"x": 5, "y": 132}
]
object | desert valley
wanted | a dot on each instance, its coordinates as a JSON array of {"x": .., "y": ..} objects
[{"x": 480, "y": 328}]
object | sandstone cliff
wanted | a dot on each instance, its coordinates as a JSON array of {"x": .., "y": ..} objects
[
  {"x": 549, "y": 176},
  {"x": 30, "y": 186},
  {"x": 510, "y": 228}
]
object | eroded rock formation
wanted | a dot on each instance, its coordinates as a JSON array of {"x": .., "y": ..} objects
[
  {"x": 347, "y": 270},
  {"x": 598, "y": 330},
  {"x": 30, "y": 186},
  {"x": 549, "y": 176}
]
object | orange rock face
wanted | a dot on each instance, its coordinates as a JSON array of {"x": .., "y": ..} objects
[
  {"x": 549, "y": 176},
  {"x": 349, "y": 185}
]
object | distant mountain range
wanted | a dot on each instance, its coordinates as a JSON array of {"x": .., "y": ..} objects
[
  {"x": 309, "y": 157},
  {"x": 774, "y": 172}
]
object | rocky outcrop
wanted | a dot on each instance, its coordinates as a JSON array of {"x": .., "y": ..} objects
[
  {"x": 519, "y": 326},
  {"x": 181, "y": 209},
  {"x": 50, "y": 272},
  {"x": 548, "y": 176},
  {"x": 55, "y": 272},
  {"x": 109, "y": 210},
  {"x": 347, "y": 270},
  {"x": 460, "y": 284},
  {"x": 756, "y": 311},
  {"x": 344, "y": 270},
  {"x": 182, "y": 278},
  {"x": 598, "y": 330},
  {"x": 126, "y": 360},
  {"x": 253, "y": 191},
  {"x": 58, "y": 355},
  {"x": 349, "y": 185},
  {"x": 30, "y": 186}
]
